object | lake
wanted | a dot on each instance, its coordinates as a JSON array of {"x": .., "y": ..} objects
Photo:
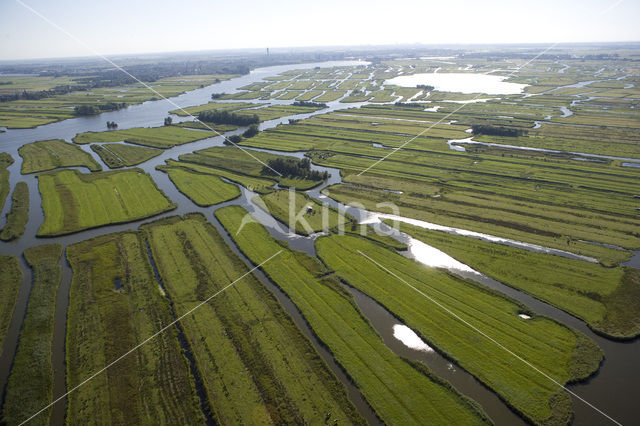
[{"x": 460, "y": 82}]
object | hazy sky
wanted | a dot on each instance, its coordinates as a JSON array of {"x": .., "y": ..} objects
[{"x": 135, "y": 26}]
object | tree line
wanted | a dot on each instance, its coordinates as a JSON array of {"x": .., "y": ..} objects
[
  {"x": 82, "y": 110},
  {"x": 294, "y": 168},
  {"x": 410, "y": 105},
  {"x": 40, "y": 94},
  {"x": 226, "y": 117},
  {"x": 483, "y": 129},
  {"x": 310, "y": 104}
]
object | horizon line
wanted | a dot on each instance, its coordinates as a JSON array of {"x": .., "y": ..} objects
[{"x": 289, "y": 49}]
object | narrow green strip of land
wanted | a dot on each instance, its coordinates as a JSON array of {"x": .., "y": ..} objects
[
  {"x": 52, "y": 154},
  {"x": 73, "y": 201},
  {"x": 156, "y": 137},
  {"x": 201, "y": 188},
  {"x": 272, "y": 112},
  {"x": 115, "y": 304},
  {"x": 563, "y": 353},
  {"x": 30, "y": 385},
  {"x": 18, "y": 216},
  {"x": 608, "y": 299},
  {"x": 256, "y": 365},
  {"x": 212, "y": 106},
  {"x": 5, "y": 161},
  {"x": 10, "y": 279},
  {"x": 216, "y": 128},
  {"x": 397, "y": 391}
]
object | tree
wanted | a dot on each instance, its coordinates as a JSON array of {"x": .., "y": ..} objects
[
  {"x": 168, "y": 121},
  {"x": 251, "y": 131},
  {"x": 233, "y": 139}
]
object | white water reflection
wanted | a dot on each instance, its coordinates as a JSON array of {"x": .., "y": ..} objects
[
  {"x": 452, "y": 142},
  {"x": 461, "y": 82},
  {"x": 373, "y": 217},
  {"x": 435, "y": 258},
  {"x": 409, "y": 338}
]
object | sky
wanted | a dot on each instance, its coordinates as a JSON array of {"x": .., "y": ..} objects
[{"x": 138, "y": 26}]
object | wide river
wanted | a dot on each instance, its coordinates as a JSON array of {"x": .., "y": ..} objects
[{"x": 614, "y": 389}]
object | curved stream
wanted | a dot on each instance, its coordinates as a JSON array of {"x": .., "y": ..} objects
[{"x": 606, "y": 390}]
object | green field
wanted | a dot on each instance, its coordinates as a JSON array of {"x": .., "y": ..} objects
[
  {"x": 264, "y": 112},
  {"x": 30, "y": 385},
  {"x": 563, "y": 353},
  {"x": 18, "y": 216},
  {"x": 117, "y": 155},
  {"x": 307, "y": 96},
  {"x": 399, "y": 392},
  {"x": 132, "y": 155},
  {"x": 289, "y": 95},
  {"x": 386, "y": 95},
  {"x": 608, "y": 299},
  {"x": 272, "y": 112},
  {"x": 51, "y": 154},
  {"x": 330, "y": 96},
  {"x": 247, "y": 96},
  {"x": 608, "y": 141},
  {"x": 259, "y": 185},
  {"x": 73, "y": 201},
  {"x": 309, "y": 215},
  {"x": 250, "y": 163},
  {"x": 356, "y": 97},
  {"x": 217, "y": 128},
  {"x": 256, "y": 365},
  {"x": 203, "y": 189},
  {"x": 155, "y": 137},
  {"x": 10, "y": 279},
  {"x": 406, "y": 92},
  {"x": 115, "y": 303},
  {"x": 368, "y": 231},
  {"x": 212, "y": 106}
]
